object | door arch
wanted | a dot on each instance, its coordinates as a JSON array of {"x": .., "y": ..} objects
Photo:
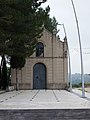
[{"x": 39, "y": 76}]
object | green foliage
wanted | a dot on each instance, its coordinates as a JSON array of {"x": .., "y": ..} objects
[
  {"x": 87, "y": 84},
  {"x": 51, "y": 23},
  {"x": 21, "y": 25},
  {"x": 17, "y": 61},
  {"x": 77, "y": 85},
  {"x": 80, "y": 85}
]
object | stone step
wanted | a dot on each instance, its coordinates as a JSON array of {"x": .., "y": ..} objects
[{"x": 45, "y": 114}]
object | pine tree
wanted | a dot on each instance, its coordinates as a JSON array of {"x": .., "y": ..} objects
[
  {"x": 51, "y": 23},
  {"x": 21, "y": 24}
]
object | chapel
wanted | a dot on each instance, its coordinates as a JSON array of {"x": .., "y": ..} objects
[{"x": 47, "y": 67}]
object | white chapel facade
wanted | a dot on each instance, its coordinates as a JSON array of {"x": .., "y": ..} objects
[{"x": 47, "y": 68}]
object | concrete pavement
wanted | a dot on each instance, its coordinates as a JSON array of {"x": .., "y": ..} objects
[{"x": 44, "y": 99}]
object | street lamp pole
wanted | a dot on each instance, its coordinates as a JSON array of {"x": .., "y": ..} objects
[
  {"x": 82, "y": 73},
  {"x": 70, "y": 78}
]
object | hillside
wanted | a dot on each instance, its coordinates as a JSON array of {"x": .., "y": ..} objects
[{"x": 76, "y": 78}]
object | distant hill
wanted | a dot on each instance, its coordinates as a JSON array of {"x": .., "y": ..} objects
[{"x": 76, "y": 78}]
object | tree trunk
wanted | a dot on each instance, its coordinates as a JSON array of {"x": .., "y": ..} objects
[
  {"x": 16, "y": 80},
  {"x": 4, "y": 73},
  {"x": 0, "y": 78}
]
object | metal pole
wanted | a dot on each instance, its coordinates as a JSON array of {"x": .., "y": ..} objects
[
  {"x": 82, "y": 73},
  {"x": 70, "y": 77}
]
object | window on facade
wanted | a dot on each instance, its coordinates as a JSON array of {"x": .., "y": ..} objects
[{"x": 39, "y": 50}]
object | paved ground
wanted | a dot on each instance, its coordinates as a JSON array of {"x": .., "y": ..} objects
[
  {"x": 44, "y": 99},
  {"x": 87, "y": 89}
]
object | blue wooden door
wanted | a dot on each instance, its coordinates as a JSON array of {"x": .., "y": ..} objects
[{"x": 39, "y": 76}]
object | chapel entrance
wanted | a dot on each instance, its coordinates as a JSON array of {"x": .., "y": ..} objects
[{"x": 39, "y": 76}]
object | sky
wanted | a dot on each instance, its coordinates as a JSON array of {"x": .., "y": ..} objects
[{"x": 63, "y": 12}]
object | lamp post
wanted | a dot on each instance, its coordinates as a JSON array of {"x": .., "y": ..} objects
[
  {"x": 70, "y": 78},
  {"x": 82, "y": 73}
]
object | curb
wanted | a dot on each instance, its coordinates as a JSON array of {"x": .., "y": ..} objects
[{"x": 1, "y": 92}]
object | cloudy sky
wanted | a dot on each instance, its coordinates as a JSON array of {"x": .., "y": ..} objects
[{"x": 63, "y": 11}]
